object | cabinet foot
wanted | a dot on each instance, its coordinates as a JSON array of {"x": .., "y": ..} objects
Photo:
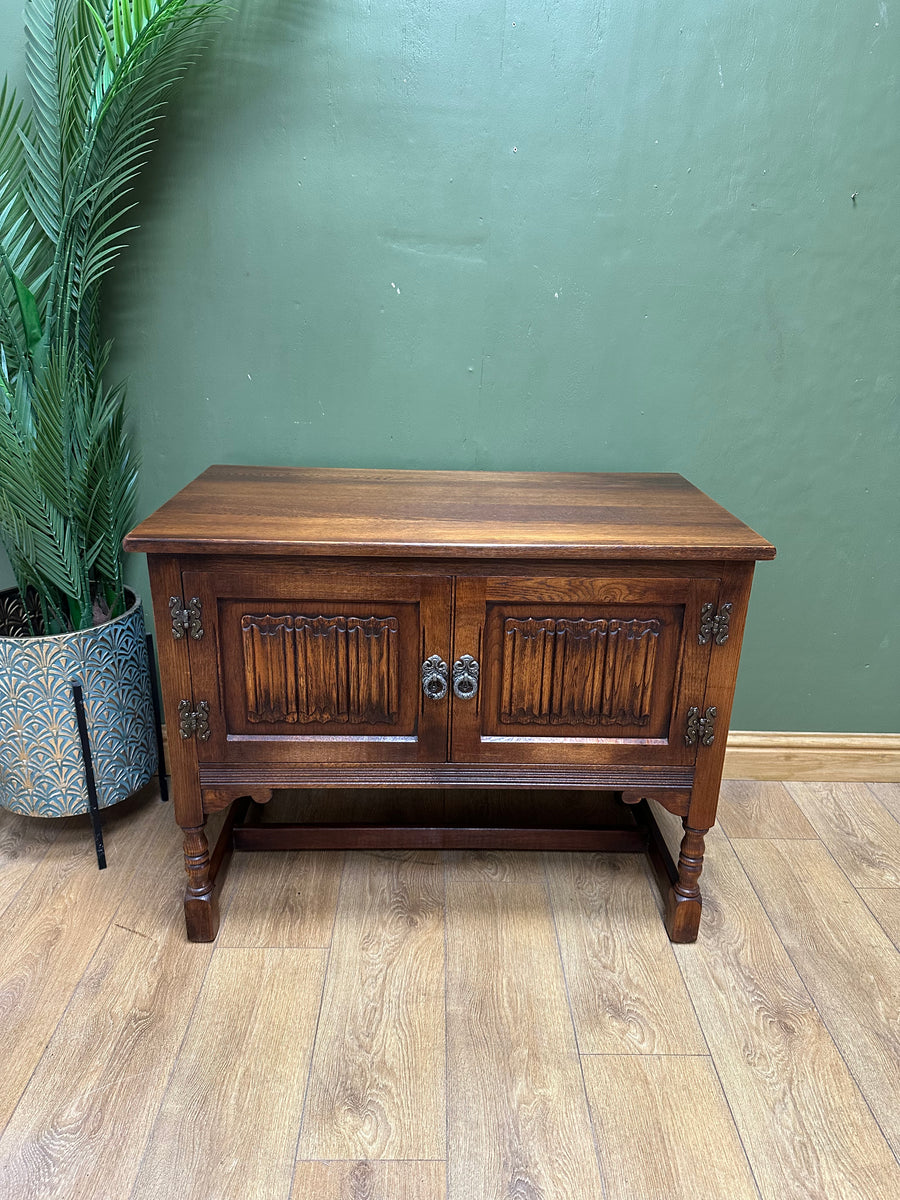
[
  {"x": 683, "y": 901},
  {"x": 201, "y": 903},
  {"x": 682, "y": 917},
  {"x": 201, "y": 918}
]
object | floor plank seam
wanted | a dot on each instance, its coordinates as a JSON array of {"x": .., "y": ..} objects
[
  {"x": 887, "y": 933},
  {"x": 315, "y": 1036},
  {"x": 639, "y": 1054},
  {"x": 734, "y": 1122},
  {"x": 737, "y": 1128},
  {"x": 165, "y": 1088},
  {"x": 340, "y": 1161},
  {"x": 343, "y": 855},
  {"x": 712, "y": 1057},
  {"x": 841, "y": 832},
  {"x": 684, "y": 983},
  {"x": 562, "y": 966},
  {"x": 559, "y": 950},
  {"x": 812, "y": 1000},
  {"x": 870, "y": 788},
  {"x": 841, "y": 869},
  {"x": 769, "y": 838},
  {"x": 444, "y": 867},
  {"x": 75, "y": 987}
]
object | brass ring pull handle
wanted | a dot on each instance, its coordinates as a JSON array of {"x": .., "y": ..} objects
[
  {"x": 434, "y": 677},
  {"x": 465, "y": 677}
]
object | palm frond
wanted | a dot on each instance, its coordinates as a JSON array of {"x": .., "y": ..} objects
[
  {"x": 24, "y": 249},
  {"x": 47, "y": 546},
  {"x": 12, "y": 156},
  {"x": 100, "y": 74},
  {"x": 144, "y": 58},
  {"x": 113, "y": 481},
  {"x": 46, "y": 64}
]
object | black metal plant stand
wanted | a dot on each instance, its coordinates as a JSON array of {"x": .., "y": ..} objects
[
  {"x": 157, "y": 723},
  {"x": 90, "y": 781},
  {"x": 89, "y": 778}
]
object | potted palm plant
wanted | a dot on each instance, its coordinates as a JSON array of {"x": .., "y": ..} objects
[{"x": 99, "y": 73}]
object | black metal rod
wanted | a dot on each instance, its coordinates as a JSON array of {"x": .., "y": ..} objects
[
  {"x": 157, "y": 721},
  {"x": 90, "y": 781}
]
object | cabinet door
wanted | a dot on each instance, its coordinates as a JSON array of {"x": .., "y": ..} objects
[
  {"x": 580, "y": 670},
  {"x": 301, "y": 666}
]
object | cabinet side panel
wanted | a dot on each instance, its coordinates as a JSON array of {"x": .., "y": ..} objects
[
  {"x": 175, "y": 678},
  {"x": 723, "y": 666}
]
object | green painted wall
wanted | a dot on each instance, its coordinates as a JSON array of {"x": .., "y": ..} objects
[{"x": 553, "y": 234}]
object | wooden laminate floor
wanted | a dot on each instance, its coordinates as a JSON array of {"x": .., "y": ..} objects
[{"x": 460, "y": 1026}]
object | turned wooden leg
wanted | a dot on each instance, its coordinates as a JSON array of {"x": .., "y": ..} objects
[
  {"x": 683, "y": 903},
  {"x": 201, "y": 903}
]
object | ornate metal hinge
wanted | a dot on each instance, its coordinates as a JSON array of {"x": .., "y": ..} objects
[
  {"x": 186, "y": 620},
  {"x": 193, "y": 722},
  {"x": 714, "y": 624},
  {"x": 702, "y": 729}
]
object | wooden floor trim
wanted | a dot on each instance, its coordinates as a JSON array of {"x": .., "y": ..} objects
[{"x": 826, "y": 757}]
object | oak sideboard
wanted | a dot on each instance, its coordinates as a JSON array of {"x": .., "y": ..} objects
[{"x": 440, "y": 629}]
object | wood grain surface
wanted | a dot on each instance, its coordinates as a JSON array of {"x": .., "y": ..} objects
[
  {"x": 54, "y": 942},
  {"x": 887, "y": 794},
  {"x": 518, "y": 1122},
  {"x": 823, "y": 922},
  {"x": 754, "y": 808},
  {"x": 140, "y": 1066},
  {"x": 807, "y": 1130},
  {"x": 884, "y": 904},
  {"x": 228, "y": 1122},
  {"x": 333, "y": 511},
  {"x": 23, "y": 844},
  {"x": 674, "y": 1109},
  {"x": 282, "y": 900},
  {"x": 377, "y": 1085},
  {"x": 863, "y": 837},
  {"x": 625, "y": 990},
  {"x": 366, "y": 1180},
  {"x": 113, "y": 1050}
]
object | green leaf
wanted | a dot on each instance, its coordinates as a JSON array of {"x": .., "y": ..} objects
[
  {"x": 101, "y": 27},
  {"x": 127, "y": 24},
  {"x": 31, "y": 318},
  {"x": 44, "y": 63}
]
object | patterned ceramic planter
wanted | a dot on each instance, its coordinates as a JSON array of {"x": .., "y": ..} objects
[{"x": 41, "y": 766}]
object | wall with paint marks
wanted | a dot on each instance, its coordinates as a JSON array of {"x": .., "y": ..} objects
[{"x": 552, "y": 234}]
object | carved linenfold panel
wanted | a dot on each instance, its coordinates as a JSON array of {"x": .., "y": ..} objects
[
  {"x": 322, "y": 669},
  {"x": 270, "y": 668},
  {"x": 578, "y": 672}
]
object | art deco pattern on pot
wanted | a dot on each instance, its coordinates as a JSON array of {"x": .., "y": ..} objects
[{"x": 41, "y": 765}]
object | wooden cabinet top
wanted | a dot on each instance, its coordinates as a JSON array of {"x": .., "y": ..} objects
[{"x": 469, "y": 514}]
